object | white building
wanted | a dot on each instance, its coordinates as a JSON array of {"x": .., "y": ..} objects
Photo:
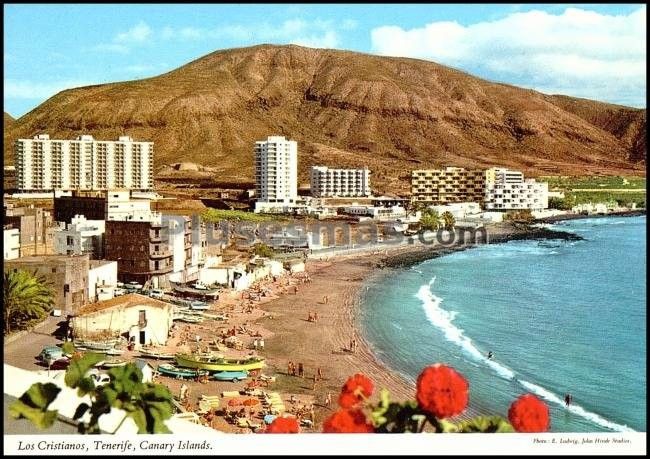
[
  {"x": 376, "y": 212},
  {"x": 102, "y": 280},
  {"x": 44, "y": 164},
  {"x": 276, "y": 172},
  {"x": 186, "y": 245},
  {"x": 508, "y": 190},
  {"x": 343, "y": 183},
  {"x": 145, "y": 320},
  {"x": 120, "y": 205},
  {"x": 81, "y": 236},
  {"x": 11, "y": 246},
  {"x": 460, "y": 210}
]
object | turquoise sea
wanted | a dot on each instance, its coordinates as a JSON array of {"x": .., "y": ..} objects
[{"x": 559, "y": 316}]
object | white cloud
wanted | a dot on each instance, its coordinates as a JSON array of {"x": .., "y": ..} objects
[
  {"x": 576, "y": 52},
  {"x": 314, "y": 33},
  {"x": 17, "y": 89},
  {"x": 137, "y": 34}
]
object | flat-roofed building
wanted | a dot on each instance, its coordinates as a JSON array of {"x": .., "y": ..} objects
[
  {"x": 44, "y": 164},
  {"x": 326, "y": 182},
  {"x": 506, "y": 189},
  {"x": 276, "y": 172},
  {"x": 451, "y": 184}
]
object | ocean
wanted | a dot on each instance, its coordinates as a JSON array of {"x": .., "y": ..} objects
[{"x": 559, "y": 316}]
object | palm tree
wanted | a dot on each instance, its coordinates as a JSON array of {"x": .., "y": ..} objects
[
  {"x": 25, "y": 296},
  {"x": 430, "y": 219},
  {"x": 448, "y": 220}
]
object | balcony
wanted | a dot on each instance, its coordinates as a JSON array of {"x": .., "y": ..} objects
[{"x": 160, "y": 254}]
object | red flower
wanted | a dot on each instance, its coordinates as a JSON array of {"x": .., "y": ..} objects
[
  {"x": 355, "y": 389},
  {"x": 283, "y": 425},
  {"x": 347, "y": 421},
  {"x": 442, "y": 391},
  {"x": 529, "y": 414}
]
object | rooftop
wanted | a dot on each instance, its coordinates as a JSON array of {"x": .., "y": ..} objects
[
  {"x": 98, "y": 263},
  {"x": 125, "y": 301},
  {"x": 47, "y": 258}
]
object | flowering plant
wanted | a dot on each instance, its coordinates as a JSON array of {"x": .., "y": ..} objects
[{"x": 441, "y": 393}]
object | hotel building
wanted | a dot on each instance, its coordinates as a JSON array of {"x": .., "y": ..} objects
[
  {"x": 44, "y": 164},
  {"x": 345, "y": 183},
  {"x": 276, "y": 172},
  {"x": 508, "y": 190},
  {"x": 451, "y": 184}
]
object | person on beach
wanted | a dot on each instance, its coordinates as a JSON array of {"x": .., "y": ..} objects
[
  {"x": 261, "y": 343},
  {"x": 301, "y": 370},
  {"x": 316, "y": 316},
  {"x": 290, "y": 369},
  {"x": 328, "y": 399},
  {"x": 315, "y": 379},
  {"x": 319, "y": 372},
  {"x": 490, "y": 355},
  {"x": 183, "y": 392}
]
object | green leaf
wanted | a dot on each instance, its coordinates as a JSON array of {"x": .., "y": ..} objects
[
  {"x": 487, "y": 424},
  {"x": 68, "y": 348},
  {"x": 33, "y": 405},
  {"x": 447, "y": 426},
  {"x": 79, "y": 367}
]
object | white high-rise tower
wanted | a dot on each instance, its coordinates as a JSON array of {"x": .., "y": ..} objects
[{"x": 276, "y": 172}]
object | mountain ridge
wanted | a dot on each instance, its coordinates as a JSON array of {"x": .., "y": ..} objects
[{"x": 346, "y": 109}]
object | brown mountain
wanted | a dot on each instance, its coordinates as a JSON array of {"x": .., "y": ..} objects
[
  {"x": 346, "y": 109},
  {"x": 9, "y": 121}
]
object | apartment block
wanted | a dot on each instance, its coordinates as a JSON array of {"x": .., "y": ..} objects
[
  {"x": 186, "y": 244},
  {"x": 44, "y": 164},
  {"x": 142, "y": 253},
  {"x": 451, "y": 184},
  {"x": 508, "y": 190},
  {"x": 276, "y": 171},
  {"x": 343, "y": 183}
]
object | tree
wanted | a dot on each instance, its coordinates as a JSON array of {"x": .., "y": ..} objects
[
  {"x": 430, "y": 220},
  {"x": 26, "y": 296},
  {"x": 448, "y": 220},
  {"x": 263, "y": 250}
]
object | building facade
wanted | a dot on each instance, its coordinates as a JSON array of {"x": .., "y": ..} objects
[
  {"x": 102, "y": 205},
  {"x": 276, "y": 171},
  {"x": 186, "y": 244},
  {"x": 140, "y": 249},
  {"x": 102, "y": 280},
  {"x": 11, "y": 246},
  {"x": 451, "y": 184},
  {"x": 344, "y": 183},
  {"x": 81, "y": 237},
  {"x": 44, "y": 164},
  {"x": 67, "y": 274},
  {"x": 508, "y": 190},
  {"x": 142, "y": 320},
  {"x": 36, "y": 228}
]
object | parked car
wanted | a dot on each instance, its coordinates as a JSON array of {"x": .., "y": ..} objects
[
  {"x": 233, "y": 376},
  {"x": 156, "y": 293},
  {"x": 100, "y": 379},
  {"x": 50, "y": 353},
  {"x": 119, "y": 292},
  {"x": 133, "y": 287}
]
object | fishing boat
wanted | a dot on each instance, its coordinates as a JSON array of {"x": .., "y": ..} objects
[
  {"x": 115, "y": 363},
  {"x": 199, "y": 306},
  {"x": 156, "y": 354},
  {"x": 217, "y": 363},
  {"x": 114, "y": 351},
  {"x": 170, "y": 370}
]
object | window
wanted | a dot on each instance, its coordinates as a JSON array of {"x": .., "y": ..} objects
[
  {"x": 70, "y": 240},
  {"x": 53, "y": 270}
]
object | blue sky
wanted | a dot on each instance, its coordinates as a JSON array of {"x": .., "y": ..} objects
[{"x": 593, "y": 51}]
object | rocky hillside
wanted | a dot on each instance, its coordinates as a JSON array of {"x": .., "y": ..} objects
[
  {"x": 346, "y": 109},
  {"x": 9, "y": 121}
]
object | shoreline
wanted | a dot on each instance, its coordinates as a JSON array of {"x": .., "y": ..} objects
[{"x": 322, "y": 344}]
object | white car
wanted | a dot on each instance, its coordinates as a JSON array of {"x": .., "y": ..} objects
[
  {"x": 156, "y": 293},
  {"x": 100, "y": 379},
  {"x": 119, "y": 292}
]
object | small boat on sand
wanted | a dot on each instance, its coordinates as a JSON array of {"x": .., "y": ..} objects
[
  {"x": 171, "y": 370},
  {"x": 114, "y": 363},
  {"x": 217, "y": 363},
  {"x": 152, "y": 354}
]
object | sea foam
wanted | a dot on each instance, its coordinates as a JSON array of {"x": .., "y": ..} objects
[{"x": 443, "y": 319}]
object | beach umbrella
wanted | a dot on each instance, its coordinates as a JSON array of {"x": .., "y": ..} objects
[
  {"x": 235, "y": 402},
  {"x": 251, "y": 402}
]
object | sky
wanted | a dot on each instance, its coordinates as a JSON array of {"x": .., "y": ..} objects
[{"x": 593, "y": 51}]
